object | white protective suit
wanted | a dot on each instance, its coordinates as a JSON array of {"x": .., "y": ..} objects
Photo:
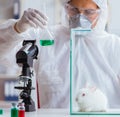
[{"x": 53, "y": 66}]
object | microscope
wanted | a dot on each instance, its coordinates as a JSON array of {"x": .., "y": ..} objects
[{"x": 24, "y": 58}]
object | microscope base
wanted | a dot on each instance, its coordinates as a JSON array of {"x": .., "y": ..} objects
[{"x": 30, "y": 107}]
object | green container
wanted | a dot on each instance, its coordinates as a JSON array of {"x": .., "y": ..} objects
[
  {"x": 14, "y": 110},
  {"x": 1, "y": 111}
]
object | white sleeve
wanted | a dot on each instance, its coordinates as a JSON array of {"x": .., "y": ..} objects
[
  {"x": 9, "y": 38},
  {"x": 10, "y": 43}
]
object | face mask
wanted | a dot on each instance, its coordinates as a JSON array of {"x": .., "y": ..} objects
[
  {"x": 80, "y": 21},
  {"x": 84, "y": 22}
]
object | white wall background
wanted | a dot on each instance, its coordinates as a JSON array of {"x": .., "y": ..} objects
[
  {"x": 114, "y": 19},
  {"x": 6, "y": 9},
  {"x": 49, "y": 7}
]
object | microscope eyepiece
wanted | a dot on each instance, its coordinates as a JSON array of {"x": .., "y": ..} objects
[{"x": 27, "y": 53}]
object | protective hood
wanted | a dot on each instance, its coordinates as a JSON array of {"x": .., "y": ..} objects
[
  {"x": 102, "y": 20},
  {"x": 102, "y": 4}
]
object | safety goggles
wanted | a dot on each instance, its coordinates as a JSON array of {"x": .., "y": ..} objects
[{"x": 75, "y": 11}]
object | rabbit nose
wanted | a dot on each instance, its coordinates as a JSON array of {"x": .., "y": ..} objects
[
  {"x": 76, "y": 99},
  {"x": 83, "y": 94}
]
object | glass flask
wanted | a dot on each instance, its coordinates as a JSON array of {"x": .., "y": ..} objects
[
  {"x": 46, "y": 37},
  {"x": 81, "y": 78}
]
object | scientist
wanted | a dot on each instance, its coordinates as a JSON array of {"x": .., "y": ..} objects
[{"x": 100, "y": 61}]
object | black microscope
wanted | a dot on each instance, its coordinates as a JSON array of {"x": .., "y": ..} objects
[{"x": 24, "y": 58}]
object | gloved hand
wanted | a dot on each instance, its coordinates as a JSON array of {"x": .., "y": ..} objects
[{"x": 31, "y": 18}]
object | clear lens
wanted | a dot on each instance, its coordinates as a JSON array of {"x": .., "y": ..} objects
[
  {"x": 87, "y": 12},
  {"x": 90, "y": 12},
  {"x": 71, "y": 10}
]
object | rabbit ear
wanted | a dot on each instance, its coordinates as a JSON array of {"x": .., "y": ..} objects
[
  {"x": 87, "y": 85},
  {"x": 93, "y": 88}
]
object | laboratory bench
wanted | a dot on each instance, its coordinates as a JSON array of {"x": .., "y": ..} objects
[{"x": 52, "y": 113}]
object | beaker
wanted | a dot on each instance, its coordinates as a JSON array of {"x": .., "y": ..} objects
[{"x": 46, "y": 37}]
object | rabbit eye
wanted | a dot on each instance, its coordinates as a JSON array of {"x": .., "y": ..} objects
[{"x": 83, "y": 94}]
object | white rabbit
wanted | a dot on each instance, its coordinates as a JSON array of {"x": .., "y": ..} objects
[{"x": 91, "y": 100}]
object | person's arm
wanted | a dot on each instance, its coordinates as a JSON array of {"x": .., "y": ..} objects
[
  {"x": 12, "y": 31},
  {"x": 8, "y": 37}
]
